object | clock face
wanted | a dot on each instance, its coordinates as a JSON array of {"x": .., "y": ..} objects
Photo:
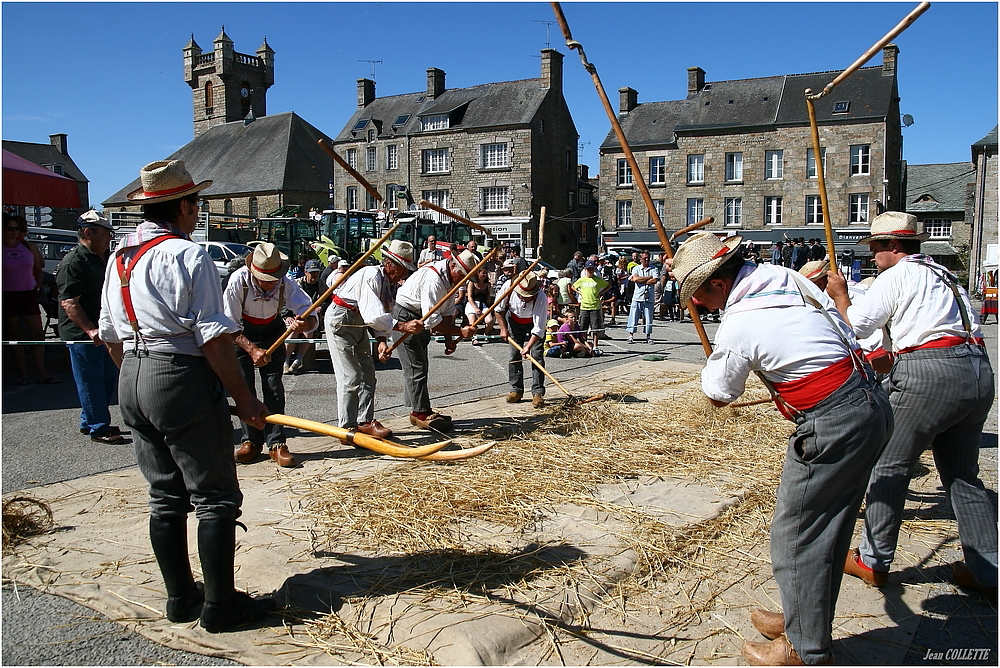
[{"x": 244, "y": 92}]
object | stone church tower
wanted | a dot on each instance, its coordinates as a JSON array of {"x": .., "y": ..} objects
[{"x": 226, "y": 85}]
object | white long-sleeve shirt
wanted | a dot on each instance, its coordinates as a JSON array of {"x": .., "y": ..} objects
[
  {"x": 425, "y": 288},
  {"x": 537, "y": 309},
  {"x": 242, "y": 296},
  {"x": 368, "y": 291}
]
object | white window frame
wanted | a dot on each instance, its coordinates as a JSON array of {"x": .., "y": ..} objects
[
  {"x": 939, "y": 228},
  {"x": 351, "y": 198},
  {"x": 658, "y": 206},
  {"x": 859, "y": 206},
  {"x": 494, "y": 198},
  {"x": 861, "y": 160},
  {"x": 657, "y": 170},
  {"x": 371, "y": 158},
  {"x": 372, "y": 135},
  {"x": 370, "y": 202},
  {"x": 392, "y": 156},
  {"x": 814, "y": 210},
  {"x": 696, "y": 168},
  {"x": 438, "y": 197},
  {"x": 584, "y": 197},
  {"x": 773, "y": 210},
  {"x": 351, "y": 156},
  {"x": 811, "y": 162},
  {"x": 624, "y": 173},
  {"x": 435, "y": 161},
  {"x": 734, "y": 166},
  {"x": 695, "y": 210},
  {"x": 774, "y": 165},
  {"x": 436, "y": 122},
  {"x": 494, "y": 156},
  {"x": 623, "y": 213},
  {"x": 733, "y": 212}
]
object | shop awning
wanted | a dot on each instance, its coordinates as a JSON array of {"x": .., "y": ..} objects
[{"x": 28, "y": 184}]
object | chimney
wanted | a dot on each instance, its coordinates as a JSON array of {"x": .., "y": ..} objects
[
  {"x": 889, "y": 55},
  {"x": 435, "y": 82},
  {"x": 583, "y": 172},
  {"x": 552, "y": 69},
  {"x": 628, "y": 99},
  {"x": 366, "y": 92},
  {"x": 59, "y": 141},
  {"x": 696, "y": 79}
]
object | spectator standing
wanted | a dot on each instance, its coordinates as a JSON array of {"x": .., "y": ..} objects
[
  {"x": 473, "y": 247},
  {"x": 575, "y": 265},
  {"x": 477, "y": 292},
  {"x": 669, "y": 299},
  {"x": 566, "y": 296},
  {"x": 430, "y": 253},
  {"x": 786, "y": 253},
  {"x": 776, "y": 253},
  {"x": 589, "y": 288},
  {"x": 296, "y": 352},
  {"x": 520, "y": 264},
  {"x": 817, "y": 251},
  {"x": 644, "y": 276},
  {"x": 800, "y": 254},
  {"x": 80, "y": 279}
]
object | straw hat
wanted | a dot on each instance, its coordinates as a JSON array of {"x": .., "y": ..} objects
[
  {"x": 528, "y": 286},
  {"x": 815, "y": 270},
  {"x": 165, "y": 180},
  {"x": 894, "y": 225},
  {"x": 267, "y": 263},
  {"x": 400, "y": 252},
  {"x": 698, "y": 258},
  {"x": 465, "y": 260}
]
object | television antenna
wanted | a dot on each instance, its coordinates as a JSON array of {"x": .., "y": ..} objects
[
  {"x": 373, "y": 62},
  {"x": 548, "y": 44}
]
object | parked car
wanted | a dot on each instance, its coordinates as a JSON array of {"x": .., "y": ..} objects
[
  {"x": 53, "y": 243},
  {"x": 223, "y": 252}
]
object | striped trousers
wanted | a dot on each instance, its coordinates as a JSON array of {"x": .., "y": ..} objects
[{"x": 940, "y": 399}]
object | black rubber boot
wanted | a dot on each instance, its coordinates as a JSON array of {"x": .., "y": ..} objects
[
  {"x": 168, "y": 536},
  {"x": 225, "y": 608}
]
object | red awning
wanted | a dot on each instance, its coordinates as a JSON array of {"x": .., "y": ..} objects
[{"x": 28, "y": 184}]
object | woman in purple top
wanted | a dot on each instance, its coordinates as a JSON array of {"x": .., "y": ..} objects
[{"x": 22, "y": 276}]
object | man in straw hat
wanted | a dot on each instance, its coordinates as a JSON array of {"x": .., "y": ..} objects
[
  {"x": 943, "y": 403},
  {"x": 162, "y": 294},
  {"x": 366, "y": 299},
  {"x": 522, "y": 316},
  {"x": 256, "y": 297},
  {"x": 781, "y": 327},
  {"x": 421, "y": 291}
]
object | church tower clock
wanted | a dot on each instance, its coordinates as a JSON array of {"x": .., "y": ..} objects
[{"x": 226, "y": 85}]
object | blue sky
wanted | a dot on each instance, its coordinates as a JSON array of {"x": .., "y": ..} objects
[{"x": 110, "y": 75}]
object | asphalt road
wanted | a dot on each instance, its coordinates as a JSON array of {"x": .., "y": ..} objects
[{"x": 42, "y": 444}]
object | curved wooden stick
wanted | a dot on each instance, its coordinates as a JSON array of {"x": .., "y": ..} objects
[
  {"x": 691, "y": 228},
  {"x": 627, "y": 150},
  {"x": 455, "y": 455},
  {"x": 513, "y": 284},
  {"x": 449, "y": 295},
  {"x": 350, "y": 170},
  {"x": 541, "y": 368},
  {"x": 755, "y": 402},
  {"x": 356, "y": 438},
  {"x": 462, "y": 219},
  {"x": 360, "y": 262}
]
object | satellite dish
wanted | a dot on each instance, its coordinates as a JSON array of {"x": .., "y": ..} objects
[{"x": 907, "y": 120}]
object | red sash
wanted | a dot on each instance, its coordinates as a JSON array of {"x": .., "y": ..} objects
[
  {"x": 519, "y": 320},
  {"x": 343, "y": 304},
  {"x": 124, "y": 273},
  {"x": 259, "y": 321},
  {"x": 805, "y": 393},
  {"x": 943, "y": 342}
]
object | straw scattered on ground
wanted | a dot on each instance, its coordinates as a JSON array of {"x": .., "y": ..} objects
[{"x": 24, "y": 517}]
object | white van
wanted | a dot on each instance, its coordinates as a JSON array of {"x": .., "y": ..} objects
[{"x": 53, "y": 244}]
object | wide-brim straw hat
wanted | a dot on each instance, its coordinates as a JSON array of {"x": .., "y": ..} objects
[
  {"x": 894, "y": 225},
  {"x": 815, "y": 270},
  {"x": 528, "y": 286},
  {"x": 466, "y": 260},
  {"x": 698, "y": 258},
  {"x": 165, "y": 180},
  {"x": 401, "y": 252},
  {"x": 267, "y": 263}
]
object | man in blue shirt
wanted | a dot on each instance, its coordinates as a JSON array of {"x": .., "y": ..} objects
[{"x": 644, "y": 277}]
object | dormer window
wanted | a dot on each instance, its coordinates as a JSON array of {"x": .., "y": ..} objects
[
  {"x": 435, "y": 122},
  {"x": 371, "y": 135},
  {"x": 400, "y": 120},
  {"x": 841, "y": 107}
]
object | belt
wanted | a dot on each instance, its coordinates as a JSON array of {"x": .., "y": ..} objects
[
  {"x": 344, "y": 304},
  {"x": 259, "y": 321},
  {"x": 943, "y": 342},
  {"x": 519, "y": 320},
  {"x": 805, "y": 393}
]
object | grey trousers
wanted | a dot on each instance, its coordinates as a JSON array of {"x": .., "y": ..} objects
[
  {"x": 830, "y": 456},
  {"x": 515, "y": 371},
  {"x": 353, "y": 365},
  {"x": 415, "y": 364},
  {"x": 183, "y": 435},
  {"x": 940, "y": 398}
]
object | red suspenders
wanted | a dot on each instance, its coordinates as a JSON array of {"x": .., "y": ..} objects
[{"x": 125, "y": 272}]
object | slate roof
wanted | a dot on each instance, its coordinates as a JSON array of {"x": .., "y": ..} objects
[
  {"x": 747, "y": 104},
  {"x": 503, "y": 104},
  {"x": 989, "y": 140},
  {"x": 946, "y": 184},
  {"x": 273, "y": 153},
  {"x": 45, "y": 154}
]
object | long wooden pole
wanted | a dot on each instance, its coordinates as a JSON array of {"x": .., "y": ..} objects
[
  {"x": 360, "y": 262},
  {"x": 451, "y": 214},
  {"x": 637, "y": 173},
  {"x": 691, "y": 228},
  {"x": 541, "y": 368},
  {"x": 513, "y": 284},
  {"x": 350, "y": 170},
  {"x": 449, "y": 295}
]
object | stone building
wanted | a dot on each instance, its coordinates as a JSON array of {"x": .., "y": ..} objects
[
  {"x": 495, "y": 152},
  {"x": 53, "y": 156},
  {"x": 258, "y": 163},
  {"x": 939, "y": 195},
  {"x": 983, "y": 242},
  {"x": 741, "y": 151}
]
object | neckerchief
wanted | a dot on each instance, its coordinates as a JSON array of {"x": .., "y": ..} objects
[{"x": 150, "y": 229}]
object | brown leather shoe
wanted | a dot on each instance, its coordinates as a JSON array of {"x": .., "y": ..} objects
[
  {"x": 247, "y": 452},
  {"x": 966, "y": 580},
  {"x": 434, "y": 422},
  {"x": 514, "y": 397},
  {"x": 777, "y": 652},
  {"x": 770, "y": 624},
  {"x": 537, "y": 401},
  {"x": 280, "y": 456},
  {"x": 856, "y": 567},
  {"x": 375, "y": 428}
]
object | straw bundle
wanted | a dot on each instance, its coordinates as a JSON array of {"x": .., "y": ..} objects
[{"x": 24, "y": 517}]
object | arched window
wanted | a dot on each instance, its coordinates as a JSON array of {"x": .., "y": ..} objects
[
  {"x": 253, "y": 207},
  {"x": 227, "y": 207},
  {"x": 209, "y": 98}
]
